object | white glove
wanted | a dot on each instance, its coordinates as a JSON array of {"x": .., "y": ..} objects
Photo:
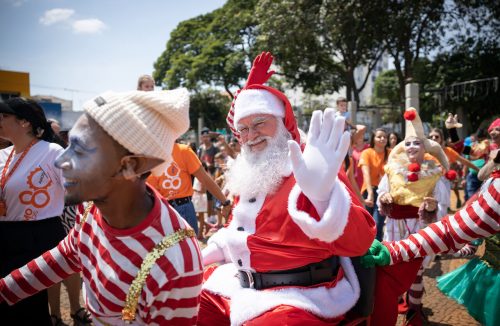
[{"x": 316, "y": 169}]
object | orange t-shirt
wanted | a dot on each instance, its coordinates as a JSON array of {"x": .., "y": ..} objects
[
  {"x": 176, "y": 182},
  {"x": 451, "y": 154},
  {"x": 375, "y": 161}
]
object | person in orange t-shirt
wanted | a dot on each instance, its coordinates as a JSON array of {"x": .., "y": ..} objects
[
  {"x": 176, "y": 185},
  {"x": 372, "y": 163}
]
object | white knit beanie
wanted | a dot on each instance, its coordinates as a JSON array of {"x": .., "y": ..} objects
[
  {"x": 145, "y": 123},
  {"x": 257, "y": 101}
]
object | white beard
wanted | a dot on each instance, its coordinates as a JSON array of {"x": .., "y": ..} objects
[{"x": 262, "y": 172}]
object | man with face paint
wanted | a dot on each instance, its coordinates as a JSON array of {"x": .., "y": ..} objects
[
  {"x": 139, "y": 259},
  {"x": 409, "y": 193}
]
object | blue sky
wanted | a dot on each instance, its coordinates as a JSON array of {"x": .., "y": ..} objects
[{"x": 77, "y": 49}]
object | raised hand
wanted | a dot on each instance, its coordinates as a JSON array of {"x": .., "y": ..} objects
[
  {"x": 316, "y": 169},
  {"x": 259, "y": 73},
  {"x": 452, "y": 122}
]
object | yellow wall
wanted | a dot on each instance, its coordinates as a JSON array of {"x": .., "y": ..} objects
[{"x": 15, "y": 82}]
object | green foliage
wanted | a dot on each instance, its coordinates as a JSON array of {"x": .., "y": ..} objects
[
  {"x": 318, "y": 44},
  {"x": 479, "y": 102},
  {"x": 386, "y": 89},
  {"x": 212, "y": 49},
  {"x": 413, "y": 29},
  {"x": 460, "y": 65},
  {"x": 211, "y": 105}
]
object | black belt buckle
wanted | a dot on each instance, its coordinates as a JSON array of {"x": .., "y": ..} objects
[{"x": 246, "y": 279}]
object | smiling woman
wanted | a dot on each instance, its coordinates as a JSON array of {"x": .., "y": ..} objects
[{"x": 31, "y": 200}]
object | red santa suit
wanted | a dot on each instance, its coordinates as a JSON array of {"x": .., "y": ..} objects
[{"x": 283, "y": 231}]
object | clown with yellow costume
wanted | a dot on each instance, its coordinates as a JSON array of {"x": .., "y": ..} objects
[{"x": 410, "y": 192}]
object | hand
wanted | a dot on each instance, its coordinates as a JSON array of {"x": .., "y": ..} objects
[
  {"x": 369, "y": 201},
  {"x": 386, "y": 198},
  {"x": 259, "y": 73},
  {"x": 452, "y": 122},
  {"x": 316, "y": 169},
  {"x": 430, "y": 204},
  {"x": 377, "y": 255},
  {"x": 495, "y": 155}
]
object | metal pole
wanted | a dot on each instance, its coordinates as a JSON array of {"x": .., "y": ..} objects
[
  {"x": 352, "y": 107},
  {"x": 411, "y": 95}
]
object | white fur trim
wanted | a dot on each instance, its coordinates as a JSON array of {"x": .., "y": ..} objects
[
  {"x": 233, "y": 242},
  {"x": 247, "y": 304},
  {"x": 257, "y": 101},
  {"x": 334, "y": 220}
]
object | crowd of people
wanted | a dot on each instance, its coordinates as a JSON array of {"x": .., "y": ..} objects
[{"x": 118, "y": 203}]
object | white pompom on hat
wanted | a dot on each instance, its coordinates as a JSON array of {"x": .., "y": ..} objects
[
  {"x": 145, "y": 123},
  {"x": 257, "y": 101}
]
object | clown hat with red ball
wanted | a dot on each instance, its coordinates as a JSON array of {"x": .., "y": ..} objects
[{"x": 414, "y": 128}]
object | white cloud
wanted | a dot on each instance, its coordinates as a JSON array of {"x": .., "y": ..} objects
[
  {"x": 56, "y": 15},
  {"x": 88, "y": 26}
]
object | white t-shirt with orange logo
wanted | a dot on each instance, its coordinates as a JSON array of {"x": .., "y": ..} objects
[{"x": 35, "y": 190}]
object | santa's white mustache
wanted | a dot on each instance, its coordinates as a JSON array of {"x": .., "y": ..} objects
[{"x": 258, "y": 140}]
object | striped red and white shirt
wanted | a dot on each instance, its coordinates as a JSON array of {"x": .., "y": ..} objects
[
  {"x": 478, "y": 220},
  {"x": 109, "y": 260}
]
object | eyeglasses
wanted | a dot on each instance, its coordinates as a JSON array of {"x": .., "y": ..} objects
[
  {"x": 434, "y": 137},
  {"x": 257, "y": 126}
]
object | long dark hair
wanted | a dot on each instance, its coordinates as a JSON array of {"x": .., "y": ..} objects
[
  {"x": 386, "y": 148},
  {"x": 441, "y": 135},
  {"x": 31, "y": 111}
]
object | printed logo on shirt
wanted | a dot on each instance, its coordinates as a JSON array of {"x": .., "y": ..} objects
[
  {"x": 172, "y": 181},
  {"x": 38, "y": 181}
]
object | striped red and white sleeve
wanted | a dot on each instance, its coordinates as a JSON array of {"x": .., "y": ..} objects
[
  {"x": 176, "y": 302},
  {"x": 479, "y": 219},
  {"x": 42, "y": 272}
]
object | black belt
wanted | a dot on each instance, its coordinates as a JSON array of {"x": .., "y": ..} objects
[
  {"x": 180, "y": 201},
  {"x": 312, "y": 274}
]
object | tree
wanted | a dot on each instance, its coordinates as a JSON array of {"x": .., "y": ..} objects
[
  {"x": 386, "y": 89},
  {"x": 412, "y": 30},
  {"x": 210, "y": 50},
  {"x": 318, "y": 44},
  {"x": 479, "y": 102},
  {"x": 210, "y": 104}
]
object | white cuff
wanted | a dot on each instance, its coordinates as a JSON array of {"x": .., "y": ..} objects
[{"x": 332, "y": 222}]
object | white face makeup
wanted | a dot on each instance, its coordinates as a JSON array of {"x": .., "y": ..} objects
[{"x": 415, "y": 150}]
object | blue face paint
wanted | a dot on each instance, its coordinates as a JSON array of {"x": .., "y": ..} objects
[
  {"x": 89, "y": 163},
  {"x": 78, "y": 145}
]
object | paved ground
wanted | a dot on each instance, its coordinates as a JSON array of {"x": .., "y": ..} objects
[{"x": 439, "y": 309}]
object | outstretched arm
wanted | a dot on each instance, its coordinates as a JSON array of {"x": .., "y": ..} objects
[
  {"x": 479, "y": 219},
  {"x": 51, "y": 268}
]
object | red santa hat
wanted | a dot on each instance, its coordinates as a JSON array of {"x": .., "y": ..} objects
[
  {"x": 256, "y": 98},
  {"x": 494, "y": 124}
]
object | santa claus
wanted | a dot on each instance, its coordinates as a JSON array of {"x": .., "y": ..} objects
[{"x": 283, "y": 257}]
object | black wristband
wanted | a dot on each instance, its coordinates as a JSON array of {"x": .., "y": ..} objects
[
  {"x": 453, "y": 135},
  {"x": 226, "y": 203}
]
